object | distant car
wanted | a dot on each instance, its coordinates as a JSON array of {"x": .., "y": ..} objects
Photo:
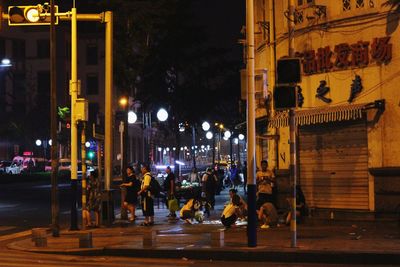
[
  {"x": 4, "y": 164},
  {"x": 65, "y": 165},
  {"x": 14, "y": 168}
]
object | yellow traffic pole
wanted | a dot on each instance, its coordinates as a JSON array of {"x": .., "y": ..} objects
[{"x": 74, "y": 127}]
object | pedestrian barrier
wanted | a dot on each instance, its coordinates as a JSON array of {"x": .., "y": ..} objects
[
  {"x": 85, "y": 239},
  {"x": 149, "y": 239},
  {"x": 39, "y": 237},
  {"x": 218, "y": 238}
]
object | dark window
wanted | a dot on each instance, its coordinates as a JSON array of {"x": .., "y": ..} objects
[
  {"x": 2, "y": 49},
  {"x": 91, "y": 54},
  {"x": 92, "y": 84},
  {"x": 43, "y": 48},
  {"x": 18, "y": 49},
  {"x": 19, "y": 92},
  {"x": 93, "y": 110}
]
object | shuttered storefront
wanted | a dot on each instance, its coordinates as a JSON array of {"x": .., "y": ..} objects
[{"x": 333, "y": 160}]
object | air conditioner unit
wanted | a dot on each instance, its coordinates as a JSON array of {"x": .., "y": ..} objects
[{"x": 260, "y": 83}]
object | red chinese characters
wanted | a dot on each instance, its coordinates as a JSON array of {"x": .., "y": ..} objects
[{"x": 346, "y": 56}]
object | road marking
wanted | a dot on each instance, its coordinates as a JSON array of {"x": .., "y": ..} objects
[{"x": 15, "y": 235}]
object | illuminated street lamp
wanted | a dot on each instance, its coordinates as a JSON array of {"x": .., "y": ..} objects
[
  {"x": 205, "y": 126},
  {"x": 162, "y": 114},
  {"x": 132, "y": 117},
  {"x": 5, "y": 62}
]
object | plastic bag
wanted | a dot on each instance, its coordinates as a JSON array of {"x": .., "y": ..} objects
[{"x": 173, "y": 205}]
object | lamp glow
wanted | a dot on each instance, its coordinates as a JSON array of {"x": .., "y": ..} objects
[
  {"x": 132, "y": 117},
  {"x": 162, "y": 114},
  {"x": 38, "y": 142},
  {"x": 206, "y": 126},
  {"x": 87, "y": 144},
  {"x": 50, "y": 142},
  {"x": 241, "y": 136},
  {"x": 227, "y": 134},
  {"x": 209, "y": 135}
]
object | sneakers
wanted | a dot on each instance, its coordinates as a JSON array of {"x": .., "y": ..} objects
[{"x": 264, "y": 226}]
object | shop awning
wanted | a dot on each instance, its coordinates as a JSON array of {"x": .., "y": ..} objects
[{"x": 324, "y": 114}]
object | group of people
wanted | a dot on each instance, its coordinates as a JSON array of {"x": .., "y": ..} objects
[{"x": 138, "y": 192}]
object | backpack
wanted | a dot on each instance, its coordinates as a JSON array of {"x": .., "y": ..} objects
[{"x": 155, "y": 187}]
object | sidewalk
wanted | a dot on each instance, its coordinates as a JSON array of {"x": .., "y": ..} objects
[{"x": 318, "y": 240}]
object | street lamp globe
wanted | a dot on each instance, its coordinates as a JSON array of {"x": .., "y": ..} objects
[
  {"x": 241, "y": 136},
  {"x": 209, "y": 135},
  {"x": 50, "y": 142},
  {"x": 227, "y": 134},
  {"x": 162, "y": 114},
  {"x": 225, "y": 138},
  {"x": 132, "y": 117},
  {"x": 236, "y": 141},
  {"x": 5, "y": 62},
  {"x": 206, "y": 126},
  {"x": 87, "y": 144},
  {"x": 38, "y": 142}
]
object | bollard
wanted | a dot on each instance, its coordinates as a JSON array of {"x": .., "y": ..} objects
[
  {"x": 218, "y": 238},
  {"x": 85, "y": 240},
  {"x": 39, "y": 237},
  {"x": 149, "y": 239}
]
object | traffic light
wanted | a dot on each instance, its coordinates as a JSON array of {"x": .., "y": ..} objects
[
  {"x": 30, "y": 15},
  {"x": 288, "y": 70},
  {"x": 284, "y": 97}
]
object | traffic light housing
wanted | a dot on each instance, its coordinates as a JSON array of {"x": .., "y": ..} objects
[
  {"x": 284, "y": 97},
  {"x": 288, "y": 70},
  {"x": 30, "y": 15}
]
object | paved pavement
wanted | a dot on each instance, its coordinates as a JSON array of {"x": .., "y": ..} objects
[{"x": 320, "y": 240}]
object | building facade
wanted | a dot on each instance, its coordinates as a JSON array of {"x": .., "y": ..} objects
[{"x": 347, "y": 143}]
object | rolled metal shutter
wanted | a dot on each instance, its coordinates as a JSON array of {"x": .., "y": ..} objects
[{"x": 333, "y": 161}]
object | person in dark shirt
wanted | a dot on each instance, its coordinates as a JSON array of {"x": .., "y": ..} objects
[
  {"x": 169, "y": 188},
  {"x": 132, "y": 185}
]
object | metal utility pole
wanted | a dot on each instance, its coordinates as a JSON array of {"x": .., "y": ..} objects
[
  {"x": 84, "y": 176},
  {"x": 74, "y": 87},
  {"x": 293, "y": 132},
  {"x": 55, "y": 227},
  {"x": 251, "y": 128},
  {"x": 194, "y": 145}
]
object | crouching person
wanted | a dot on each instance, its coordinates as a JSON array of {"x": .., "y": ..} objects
[
  {"x": 268, "y": 215},
  {"x": 230, "y": 213},
  {"x": 189, "y": 210}
]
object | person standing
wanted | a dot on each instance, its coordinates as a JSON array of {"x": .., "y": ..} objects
[
  {"x": 132, "y": 185},
  {"x": 169, "y": 188},
  {"x": 194, "y": 176},
  {"x": 147, "y": 200},
  {"x": 209, "y": 188},
  {"x": 93, "y": 192},
  {"x": 265, "y": 184}
]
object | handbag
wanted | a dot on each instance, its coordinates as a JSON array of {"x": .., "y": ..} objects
[{"x": 173, "y": 204}]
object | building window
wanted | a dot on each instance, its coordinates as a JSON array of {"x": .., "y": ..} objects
[
  {"x": 43, "y": 48},
  {"x": 91, "y": 54},
  {"x": 18, "y": 49},
  {"x": 92, "y": 84},
  {"x": 359, "y": 3},
  {"x": 2, "y": 48},
  {"x": 346, "y": 5},
  {"x": 93, "y": 110}
]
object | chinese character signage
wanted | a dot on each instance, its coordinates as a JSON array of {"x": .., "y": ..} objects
[{"x": 346, "y": 55}]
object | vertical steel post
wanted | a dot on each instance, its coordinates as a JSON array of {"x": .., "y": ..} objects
[
  {"x": 251, "y": 128},
  {"x": 83, "y": 179},
  {"x": 293, "y": 133},
  {"x": 55, "y": 227},
  {"x": 108, "y": 146},
  {"x": 194, "y": 145},
  {"x": 74, "y": 125}
]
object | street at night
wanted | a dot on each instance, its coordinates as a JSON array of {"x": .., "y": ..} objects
[{"x": 199, "y": 133}]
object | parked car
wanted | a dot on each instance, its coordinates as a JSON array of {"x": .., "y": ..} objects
[
  {"x": 14, "y": 168},
  {"x": 4, "y": 164}
]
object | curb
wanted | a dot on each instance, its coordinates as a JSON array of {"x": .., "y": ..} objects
[{"x": 289, "y": 255}]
